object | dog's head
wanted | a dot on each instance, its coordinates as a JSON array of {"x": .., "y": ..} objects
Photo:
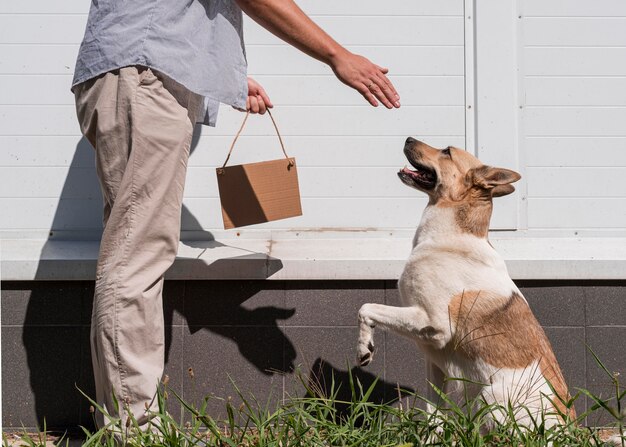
[{"x": 453, "y": 175}]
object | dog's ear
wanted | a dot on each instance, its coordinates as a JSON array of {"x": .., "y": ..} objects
[
  {"x": 502, "y": 190},
  {"x": 496, "y": 180}
]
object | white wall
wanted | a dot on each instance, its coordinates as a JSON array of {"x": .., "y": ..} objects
[
  {"x": 574, "y": 121},
  {"x": 571, "y": 127}
]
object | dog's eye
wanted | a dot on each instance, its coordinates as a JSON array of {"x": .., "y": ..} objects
[{"x": 446, "y": 151}]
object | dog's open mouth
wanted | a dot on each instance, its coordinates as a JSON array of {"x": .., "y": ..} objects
[{"x": 422, "y": 176}]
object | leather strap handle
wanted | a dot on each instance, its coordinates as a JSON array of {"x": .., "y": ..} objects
[{"x": 241, "y": 129}]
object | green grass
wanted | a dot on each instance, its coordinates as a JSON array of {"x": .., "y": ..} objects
[{"x": 321, "y": 419}]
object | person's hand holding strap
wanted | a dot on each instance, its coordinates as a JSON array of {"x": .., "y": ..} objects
[{"x": 257, "y": 101}]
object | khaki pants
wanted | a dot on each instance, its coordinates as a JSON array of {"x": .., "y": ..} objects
[{"x": 140, "y": 125}]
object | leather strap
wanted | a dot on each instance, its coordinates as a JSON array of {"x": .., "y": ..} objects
[{"x": 241, "y": 129}]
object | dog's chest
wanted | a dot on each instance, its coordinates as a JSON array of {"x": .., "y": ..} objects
[{"x": 438, "y": 270}]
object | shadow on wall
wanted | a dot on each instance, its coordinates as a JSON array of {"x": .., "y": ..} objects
[
  {"x": 57, "y": 320},
  {"x": 57, "y": 347}
]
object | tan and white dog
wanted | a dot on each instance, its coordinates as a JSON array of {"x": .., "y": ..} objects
[{"x": 459, "y": 303}]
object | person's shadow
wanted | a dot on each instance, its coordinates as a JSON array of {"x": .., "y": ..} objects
[{"x": 57, "y": 318}]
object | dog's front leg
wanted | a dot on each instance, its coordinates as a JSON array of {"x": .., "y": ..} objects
[{"x": 411, "y": 322}]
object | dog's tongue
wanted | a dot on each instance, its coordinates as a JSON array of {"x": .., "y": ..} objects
[
  {"x": 417, "y": 174},
  {"x": 411, "y": 172}
]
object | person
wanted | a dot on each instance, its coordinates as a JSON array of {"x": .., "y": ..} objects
[{"x": 146, "y": 72}]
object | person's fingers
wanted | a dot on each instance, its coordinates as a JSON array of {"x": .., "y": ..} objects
[
  {"x": 266, "y": 99},
  {"x": 388, "y": 89},
  {"x": 387, "y": 81},
  {"x": 262, "y": 105},
  {"x": 254, "y": 104},
  {"x": 367, "y": 94},
  {"x": 380, "y": 90},
  {"x": 247, "y": 103}
]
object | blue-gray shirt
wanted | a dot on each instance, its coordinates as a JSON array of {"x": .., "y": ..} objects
[{"x": 197, "y": 43}]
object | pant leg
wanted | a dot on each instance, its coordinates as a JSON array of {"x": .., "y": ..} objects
[{"x": 141, "y": 133}]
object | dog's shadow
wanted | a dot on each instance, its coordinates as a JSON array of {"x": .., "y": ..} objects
[{"x": 344, "y": 388}]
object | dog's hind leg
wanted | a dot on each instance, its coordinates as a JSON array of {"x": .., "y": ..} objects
[
  {"x": 436, "y": 379},
  {"x": 411, "y": 322}
]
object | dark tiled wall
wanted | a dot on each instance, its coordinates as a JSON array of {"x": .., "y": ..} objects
[{"x": 262, "y": 335}]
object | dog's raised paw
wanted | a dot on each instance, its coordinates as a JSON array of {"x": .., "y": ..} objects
[
  {"x": 365, "y": 355},
  {"x": 365, "y": 359}
]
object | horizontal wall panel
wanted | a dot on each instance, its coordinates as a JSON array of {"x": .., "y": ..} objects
[
  {"x": 318, "y": 150},
  {"x": 577, "y": 91},
  {"x": 325, "y": 7},
  {"x": 398, "y": 30},
  {"x": 576, "y": 182},
  {"x": 210, "y": 151},
  {"x": 82, "y": 183},
  {"x": 83, "y": 214},
  {"x": 45, "y": 150},
  {"x": 50, "y": 182},
  {"x": 36, "y": 89},
  {"x": 584, "y": 121},
  {"x": 574, "y": 8},
  {"x": 39, "y": 59},
  {"x": 294, "y": 120},
  {"x": 575, "y": 61},
  {"x": 327, "y": 90},
  {"x": 374, "y": 7},
  {"x": 38, "y": 120},
  {"x": 45, "y": 7},
  {"x": 42, "y": 28},
  {"x": 320, "y": 182},
  {"x": 347, "y": 30},
  {"x": 444, "y": 61},
  {"x": 428, "y": 61},
  {"x": 320, "y": 213},
  {"x": 315, "y": 7},
  {"x": 578, "y": 151},
  {"x": 583, "y": 31},
  {"x": 283, "y": 90},
  {"x": 46, "y": 213},
  {"x": 577, "y": 213},
  {"x": 351, "y": 120}
]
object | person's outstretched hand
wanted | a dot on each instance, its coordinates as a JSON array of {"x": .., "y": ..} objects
[
  {"x": 367, "y": 78},
  {"x": 257, "y": 101},
  {"x": 285, "y": 19}
]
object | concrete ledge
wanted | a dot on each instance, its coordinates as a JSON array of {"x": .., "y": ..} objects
[{"x": 320, "y": 255}]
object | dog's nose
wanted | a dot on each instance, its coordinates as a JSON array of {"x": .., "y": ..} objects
[{"x": 410, "y": 140}]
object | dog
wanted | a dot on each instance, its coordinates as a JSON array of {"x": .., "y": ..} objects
[{"x": 459, "y": 303}]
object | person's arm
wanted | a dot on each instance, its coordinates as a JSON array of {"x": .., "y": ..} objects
[{"x": 287, "y": 21}]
